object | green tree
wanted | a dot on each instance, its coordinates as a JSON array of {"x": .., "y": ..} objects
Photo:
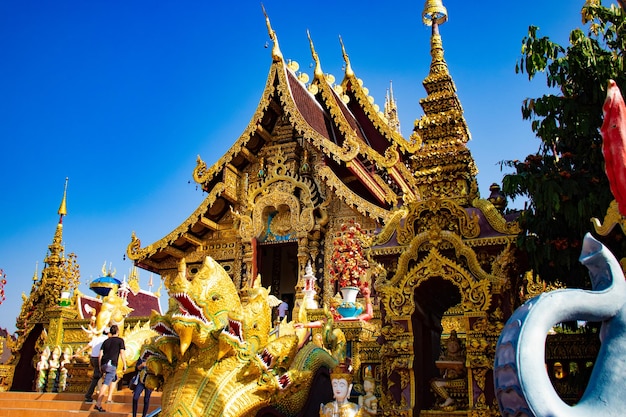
[{"x": 565, "y": 180}]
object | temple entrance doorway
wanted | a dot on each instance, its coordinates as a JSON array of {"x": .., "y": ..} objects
[
  {"x": 278, "y": 266},
  {"x": 24, "y": 375},
  {"x": 433, "y": 298}
]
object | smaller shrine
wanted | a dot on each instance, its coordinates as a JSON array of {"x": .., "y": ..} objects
[{"x": 57, "y": 320}]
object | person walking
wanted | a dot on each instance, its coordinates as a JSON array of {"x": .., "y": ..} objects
[
  {"x": 112, "y": 350},
  {"x": 95, "y": 344},
  {"x": 283, "y": 309},
  {"x": 141, "y": 387}
]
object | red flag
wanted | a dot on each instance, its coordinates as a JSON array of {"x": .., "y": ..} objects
[{"x": 613, "y": 132}]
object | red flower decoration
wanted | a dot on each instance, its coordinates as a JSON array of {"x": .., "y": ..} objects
[{"x": 348, "y": 265}]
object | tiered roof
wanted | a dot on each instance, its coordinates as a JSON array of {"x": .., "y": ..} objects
[{"x": 366, "y": 161}]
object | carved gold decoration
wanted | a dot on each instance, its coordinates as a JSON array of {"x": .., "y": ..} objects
[
  {"x": 397, "y": 295},
  {"x": 612, "y": 218},
  {"x": 535, "y": 286},
  {"x": 391, "y": 225},
  {"x": 6, "y": 377},
  {"x": 444, "y": 214},
  {"x": 452, "y": 323},
  {"x": 495, "y": 219},
  {"x": 135, "y": 252}
]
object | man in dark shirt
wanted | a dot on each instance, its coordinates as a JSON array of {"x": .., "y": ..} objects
[{"x": 112, "y": 350}]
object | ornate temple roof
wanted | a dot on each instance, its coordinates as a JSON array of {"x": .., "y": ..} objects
[{"x": 366, "y": 161}]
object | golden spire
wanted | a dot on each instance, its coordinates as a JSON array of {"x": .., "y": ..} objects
[
  {"x": 60, "y": 273},
  {"x": 443, "y": 165},
  {"x": 391, "y": 110},
  {"x": 63, "y": 207},
  {"x": 277, "y": 56},
  {"x": 435, "y": 14},
  {"x": 349, "y": 72},
  {"x": 318, "y": 67}
]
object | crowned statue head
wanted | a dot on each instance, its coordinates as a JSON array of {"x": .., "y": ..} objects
[{"x": 341, "y": 379}]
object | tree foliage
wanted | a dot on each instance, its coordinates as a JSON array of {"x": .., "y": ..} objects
[{"x": 565, "y": 180}]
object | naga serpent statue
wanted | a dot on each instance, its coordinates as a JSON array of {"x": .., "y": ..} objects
[
  {"x": 521, "y": 380},
  {"x": 215, "y": 354}
]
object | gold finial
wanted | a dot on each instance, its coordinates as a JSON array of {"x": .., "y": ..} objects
[
  {"x": 391, "y": 110},
  {"x": 276, "y": 54},
  {"x": 133, "y": 280},
  {"x": 349, "y": 72},
  {"x": 63, "y": 208},
  {"x": 318, "y": 68},
  {"x": 434, "y": 13},
  {"x": 150, "y": 284}
]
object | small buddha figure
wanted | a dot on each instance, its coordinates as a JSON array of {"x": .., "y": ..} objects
[
  {"x": 341, "y": 380},
  {"x": 65, "y": 360},
  {"x": 452, "y": 365},
  {"x": 368, "y": 402},
  {"x": 42, "y": 369},
  {"x": 53, "y": 368}
]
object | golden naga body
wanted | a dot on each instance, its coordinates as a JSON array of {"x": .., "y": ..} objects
[{"x": 214, "y": 355}]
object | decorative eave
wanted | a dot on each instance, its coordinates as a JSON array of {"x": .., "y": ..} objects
[
  {"x": 140, "y": 255},
  {"x": 353, "y": 87},
  {"x": 334, "y": 101},
  {"x": 350, "y": 198},
  {"x": 396, "y": 148}
]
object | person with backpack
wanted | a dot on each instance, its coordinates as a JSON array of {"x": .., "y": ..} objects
[{"x": 142, "y": 372}]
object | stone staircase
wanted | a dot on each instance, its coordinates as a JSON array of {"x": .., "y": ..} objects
[{"x": 31, "y": 404}]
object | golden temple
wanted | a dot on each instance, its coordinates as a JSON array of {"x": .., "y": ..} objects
[{"x": 318, "y": 155}]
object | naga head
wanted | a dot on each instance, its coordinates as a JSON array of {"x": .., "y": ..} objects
[
  {"x": 279, "y": 353},
  {"x": 204, "y": 298},
  {"x": 249, "y": 328}
]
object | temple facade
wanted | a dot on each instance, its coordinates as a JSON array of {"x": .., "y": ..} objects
[{"x": 318, "y": 155}]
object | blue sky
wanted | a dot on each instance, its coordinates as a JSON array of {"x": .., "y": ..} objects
[{"x": 121, "y": 96}]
